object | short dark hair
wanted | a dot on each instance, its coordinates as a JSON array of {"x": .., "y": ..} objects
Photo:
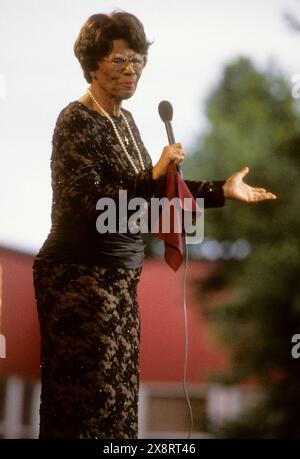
[{"x": 95, "y": 39}]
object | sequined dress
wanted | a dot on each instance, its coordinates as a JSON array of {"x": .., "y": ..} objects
[{"x": 86, "y": 283}]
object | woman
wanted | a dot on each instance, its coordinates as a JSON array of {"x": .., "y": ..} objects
[{"x": 86, "y": 282}]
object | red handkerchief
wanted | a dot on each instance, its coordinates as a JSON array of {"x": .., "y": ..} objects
[{"x": 174, "y": 187}]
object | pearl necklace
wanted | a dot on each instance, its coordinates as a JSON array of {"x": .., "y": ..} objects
[{"x": 118, "y": 135}]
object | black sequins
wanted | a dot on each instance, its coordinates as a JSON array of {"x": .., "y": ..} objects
[{"x": 90, "y": 351}]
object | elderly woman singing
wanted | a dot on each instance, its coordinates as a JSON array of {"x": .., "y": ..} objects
[{"x": 86, "y": 281}]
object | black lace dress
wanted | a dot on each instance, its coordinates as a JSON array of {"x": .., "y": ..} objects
[{"x": 86, "y": 282}]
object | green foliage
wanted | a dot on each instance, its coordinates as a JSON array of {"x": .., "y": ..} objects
[{"x": 254, "y": 121}]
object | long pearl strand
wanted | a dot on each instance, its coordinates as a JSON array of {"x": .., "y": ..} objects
[{"x": 118, "y": 135}]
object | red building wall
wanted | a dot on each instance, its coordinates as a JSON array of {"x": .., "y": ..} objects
[
  {"x": 162, "y": 326},
  {"x": 19, "y": 319}
]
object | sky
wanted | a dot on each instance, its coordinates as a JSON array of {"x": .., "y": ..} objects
[{"x": 39, "y": 76}]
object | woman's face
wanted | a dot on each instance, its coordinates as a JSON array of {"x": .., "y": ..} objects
[{"x": 116, "y": 76}]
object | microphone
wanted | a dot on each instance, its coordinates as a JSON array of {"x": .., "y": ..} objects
[{"x": 165, "y": 111}]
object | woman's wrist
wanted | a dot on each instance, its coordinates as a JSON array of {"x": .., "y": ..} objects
[
  {"x": 226, "y": 191},
  {"x": 155, "y": 174}
]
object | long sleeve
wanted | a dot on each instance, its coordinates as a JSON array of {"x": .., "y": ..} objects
[{"x": 211, "y": 191}]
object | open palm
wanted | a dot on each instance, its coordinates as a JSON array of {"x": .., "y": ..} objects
[{"x": 236, "y": 188}]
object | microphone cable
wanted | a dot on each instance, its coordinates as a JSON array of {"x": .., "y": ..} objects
[
  {"x": 165, "y": 111},
  {"x": 186, "y": 347}
]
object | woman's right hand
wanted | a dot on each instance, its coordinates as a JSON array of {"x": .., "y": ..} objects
[{"x": 170, "y": 153}]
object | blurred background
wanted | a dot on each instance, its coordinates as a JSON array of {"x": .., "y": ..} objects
[{"x": 233, "y": 77}]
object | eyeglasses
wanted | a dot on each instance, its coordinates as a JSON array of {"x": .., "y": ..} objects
[{"x": 120, "y": 61}]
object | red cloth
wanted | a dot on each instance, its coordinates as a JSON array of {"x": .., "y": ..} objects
[{"x": 175, "y": 186}]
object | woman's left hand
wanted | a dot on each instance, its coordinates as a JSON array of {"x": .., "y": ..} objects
[{"x": 235, "y": 188}]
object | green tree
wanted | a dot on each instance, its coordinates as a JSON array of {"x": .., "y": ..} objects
[{"x": 253, "y": 121}]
